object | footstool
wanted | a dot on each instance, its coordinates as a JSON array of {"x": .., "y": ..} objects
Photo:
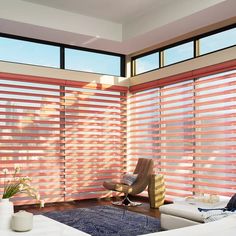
[{"x": 182, "y": 214}]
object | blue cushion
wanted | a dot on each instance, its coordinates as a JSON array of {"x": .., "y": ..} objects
[{"x": 129, "y": 179}]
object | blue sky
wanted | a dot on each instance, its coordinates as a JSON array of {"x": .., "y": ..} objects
[
  {"x": 146, "y": 63},
  {"x": 29, "y": 53},
  {"x": 218, "y": 41},
  {"x": 92, "y": 62},
  {"x": 185, "y": 51},
  {"x": 46, "y": 55}
]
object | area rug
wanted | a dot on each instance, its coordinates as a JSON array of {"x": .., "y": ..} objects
[{"x": 107, "y": 221}]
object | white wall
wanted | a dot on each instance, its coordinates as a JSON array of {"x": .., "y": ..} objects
[{"x": 16, "y": 68}]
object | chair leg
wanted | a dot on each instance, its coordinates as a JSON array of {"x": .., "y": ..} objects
[{"x": 126, "y": 202}]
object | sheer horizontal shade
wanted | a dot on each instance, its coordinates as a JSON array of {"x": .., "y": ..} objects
[
  {"x": 189, "y": 129},
  {"x": 68, "y": 136}
]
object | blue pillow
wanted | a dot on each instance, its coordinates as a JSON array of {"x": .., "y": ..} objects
[{"x": 129, "y": 179}]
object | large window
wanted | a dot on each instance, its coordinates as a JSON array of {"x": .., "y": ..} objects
[
  {"x": 188, "y": 128},
  {"x": 30, "y": 135},
  {"x": 69, "y": 139},
  {"x": 19, "y": 51},
  {"x": 94, "y": 140}
]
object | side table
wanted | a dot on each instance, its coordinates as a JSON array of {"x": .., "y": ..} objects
[{"x": 156, "y": 190}]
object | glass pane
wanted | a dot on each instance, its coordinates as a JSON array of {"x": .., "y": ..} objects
[
  {"x": 20, "y": 51},
  {"x": 178, "y": 53},
  {"x": 30, "y": 135},
  {"x": 147, "y": 63},
  {"x": 144, "y": 126},
  {"x": 218, "y": 41},
  {"x": 92, "y": 62},
  {"x": 176, "y": 135},
  {"x": 215, "y": 116}
]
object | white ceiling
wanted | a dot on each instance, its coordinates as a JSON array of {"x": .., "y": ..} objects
[
  {"x": 122, "y": 26},
  {"x": 119, "y": 11}
]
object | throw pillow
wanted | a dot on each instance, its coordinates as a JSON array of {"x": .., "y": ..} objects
[
  {"x": 129, "y": 179},
  {"x": 231, "y": 206}
]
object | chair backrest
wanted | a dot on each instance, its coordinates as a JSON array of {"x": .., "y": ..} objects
[{"x": 144, "y": 169}]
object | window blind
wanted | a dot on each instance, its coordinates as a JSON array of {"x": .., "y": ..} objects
[
  {"x": 189, "y": 129},
  {"x": 95, "y": 136},
  {"x": 67, "y": 136}
]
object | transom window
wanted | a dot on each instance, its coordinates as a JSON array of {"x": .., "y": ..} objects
[
  {"x": 182, "y": 51},
  {"x": 14, "y": 50},
  {"x": 41, "y": 53}
]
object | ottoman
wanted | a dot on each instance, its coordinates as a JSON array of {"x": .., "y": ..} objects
[{"x": 182, "y": 214}]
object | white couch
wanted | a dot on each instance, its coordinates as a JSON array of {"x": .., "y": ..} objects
[
  {"x": 182, "y": 214},
  {"x": 223, "y": 227}
]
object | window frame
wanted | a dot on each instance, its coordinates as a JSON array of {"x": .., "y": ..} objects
[
  {"x": 36, "y": 42},
  {"x": 62, "y": 47},
  {"x": 133, "y": 61},
  {"x": 78, "y": 50},
  {"x": 144, "y": 119},
  {"x": 60, "y": 115},
  {"x": 173, "y": 46},
  {"x": 211, "y": 34},
  {"x": 196, "y": 50}
]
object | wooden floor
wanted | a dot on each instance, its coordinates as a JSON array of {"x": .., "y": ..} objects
[{"x": 143, "y": 209}]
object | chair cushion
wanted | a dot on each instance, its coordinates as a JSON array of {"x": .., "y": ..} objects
[
  {"x": 144, "y": 169},
  {"x": 129, "y": 179},
  {"x": 231, "y": 206}
]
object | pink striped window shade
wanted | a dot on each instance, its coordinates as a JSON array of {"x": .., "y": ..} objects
[
  {"x": 189, "y": 129},
  {"x": 68, "y": 136},
  {"x": 71, "y": 136}
]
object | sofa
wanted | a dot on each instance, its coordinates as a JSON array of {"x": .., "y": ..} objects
[
  {"x": 223, "y": 227},
  {"x": 183, "y": 213}
]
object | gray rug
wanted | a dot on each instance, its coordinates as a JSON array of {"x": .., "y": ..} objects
[{"x": 107, "y": 221}]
